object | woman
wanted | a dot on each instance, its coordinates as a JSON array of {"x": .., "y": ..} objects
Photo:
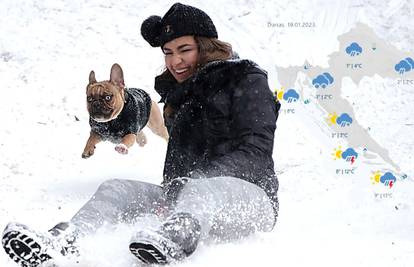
[{"x": 219, "y": 181}]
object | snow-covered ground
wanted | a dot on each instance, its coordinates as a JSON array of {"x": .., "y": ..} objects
[{"x": 47, "y": 49}]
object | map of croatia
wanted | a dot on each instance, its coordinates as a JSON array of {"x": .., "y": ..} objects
[{"x": 361, "y": 54}]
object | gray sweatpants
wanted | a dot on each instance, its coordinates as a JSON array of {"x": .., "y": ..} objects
[{"x": 226, "y": 207}]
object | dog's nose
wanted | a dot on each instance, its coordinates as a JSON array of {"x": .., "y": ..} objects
[{"x": 96, "y": 105}]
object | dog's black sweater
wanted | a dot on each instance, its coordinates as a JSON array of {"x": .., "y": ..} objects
[{"x": 133, "y": 117}]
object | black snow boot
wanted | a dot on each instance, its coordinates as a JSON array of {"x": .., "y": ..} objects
[
  {"x": 29, "y": 248},
  {"x": 176, "y": 239}
]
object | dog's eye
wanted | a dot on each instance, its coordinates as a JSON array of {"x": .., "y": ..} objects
[
  {"x": 108, "y": 97},
  {"x": 89, "y": 98}
]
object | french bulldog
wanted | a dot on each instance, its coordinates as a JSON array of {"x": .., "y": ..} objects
[{"x": 118, "y": 114}]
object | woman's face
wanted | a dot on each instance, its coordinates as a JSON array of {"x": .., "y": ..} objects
[{"x": 181, "y": 55}]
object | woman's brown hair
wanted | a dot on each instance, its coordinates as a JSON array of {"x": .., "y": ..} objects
[{"x": 211, "y": 49}]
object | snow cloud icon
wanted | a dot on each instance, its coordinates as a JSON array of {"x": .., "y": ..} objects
[
  {"x": 388, "y": 179},
  {"x": 291, "y": 96},
  {"x": 404, "y": 65},
  {"x": 353, "y": 49},
  {"x": 323, "y": 80},
  {"x": 344, "y": 120},
  {"x": 350, "y": 155}
]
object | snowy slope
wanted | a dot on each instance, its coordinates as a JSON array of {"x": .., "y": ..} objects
[{"x": 47, "y": 49}]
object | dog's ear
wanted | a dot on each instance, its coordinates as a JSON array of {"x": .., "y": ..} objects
[
  {"x": 117, "y": 76},
  {"x": 92, "y": 77}
]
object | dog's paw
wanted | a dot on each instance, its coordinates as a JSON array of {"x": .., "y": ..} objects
[
  {"x": 141, "y": 139},
  {"x": 122, "y": 149},
  {"x": 87, "y": 153}
]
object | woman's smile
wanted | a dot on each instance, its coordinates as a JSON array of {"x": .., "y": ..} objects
[{"x": 181, "y": 57}]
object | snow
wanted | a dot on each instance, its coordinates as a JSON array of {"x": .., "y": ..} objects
[{"x": 47, "y": 50}]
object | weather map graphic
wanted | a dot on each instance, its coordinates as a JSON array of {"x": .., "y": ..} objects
[
  {"x": 289, "y": 96},
  {"x": 354, "y": 49},
  {"x": 361, "y": 55},
  {"x": 404, "y": 65},
  {"x": 387, "y": 179},
  {"x": 323, "y": 80},
  {"x": 344, "y": 120},
  {"x": 349, "y": 155}
]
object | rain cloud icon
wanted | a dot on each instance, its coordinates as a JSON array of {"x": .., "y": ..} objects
[
  {"x": 344, "y": 120},
  {"x": 404, "y": 65},
  {"x": 291, "y": 96},
  {"x": 349, "y": 155},
  {"x": 323, "y": 80},
  {"x": 353, "y": 49},
  {"x": 388, "y": 179}
]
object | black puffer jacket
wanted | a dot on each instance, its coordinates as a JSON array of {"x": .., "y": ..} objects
[{"x": 221, "y": 122}]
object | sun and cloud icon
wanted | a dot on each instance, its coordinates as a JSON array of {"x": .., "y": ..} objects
[
  {"x": 404, "y": 65},
  {"x": 322, "y": 80},
  {"x": 349, "y": 155},
  {"x": 387, "y": 179},
  {"x": 353, "y": 49},
  {"x": 343, "y": 120},
  {"x": 289, "y": 96}
]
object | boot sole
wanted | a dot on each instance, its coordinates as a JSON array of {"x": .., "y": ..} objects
[
  {"x": 148, "y": 253},
  {"x": 23, "y": 249}
]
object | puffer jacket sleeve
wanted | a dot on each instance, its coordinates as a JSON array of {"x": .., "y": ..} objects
[{"x": 254, "y": 112}]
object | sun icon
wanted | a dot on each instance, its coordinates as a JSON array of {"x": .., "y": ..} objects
[
  {"x": 280, "y": 93},
  {"x": 337, "y": 153},
  {"x": 332, "y": 118},
  {"x": 375, "y": 178}
]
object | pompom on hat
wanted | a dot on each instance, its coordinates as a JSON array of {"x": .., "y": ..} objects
[{"x": 180, "y": 20}]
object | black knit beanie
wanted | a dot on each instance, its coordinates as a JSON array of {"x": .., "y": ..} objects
[{"x": 180, "y": 20}]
